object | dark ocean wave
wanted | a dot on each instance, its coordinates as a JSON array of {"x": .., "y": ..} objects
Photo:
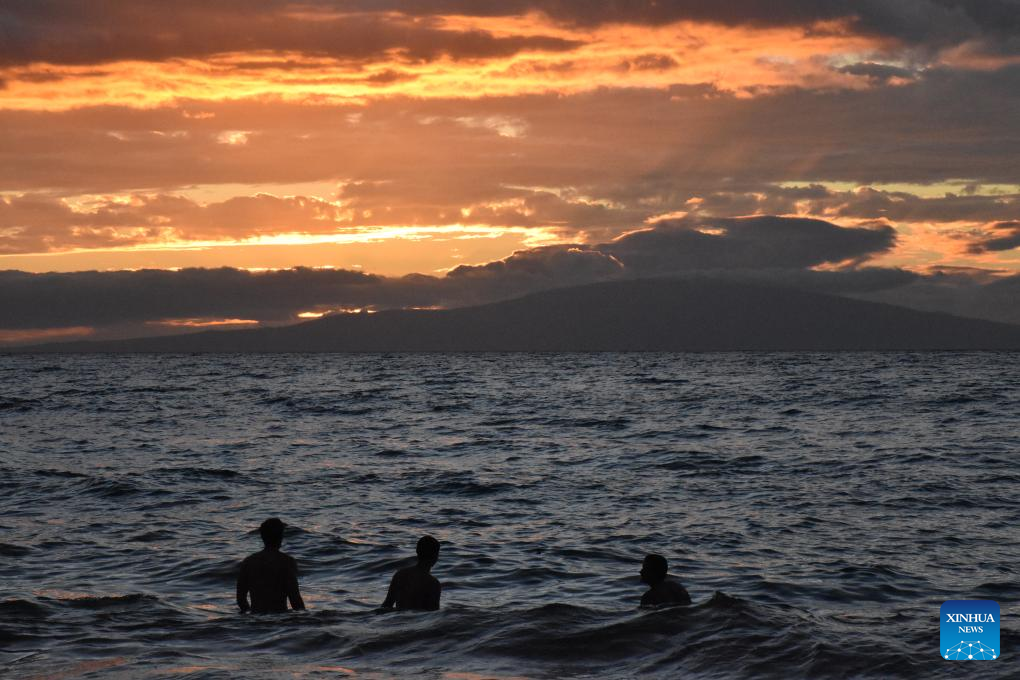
[
  {"x": 87, "y": 601},
  {"x": 721, "y": 637},
  {"x": 838, "y": 500},
  {"x": 458, "y": 484},
  {"x": 10, "y": 550},
  {"x": 22, "y": 610},
  {"x": 18, "y": 404}
]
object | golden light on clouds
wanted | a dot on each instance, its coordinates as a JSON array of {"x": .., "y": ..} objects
[
  {"x": 924, "y": 245},
  {"x": 203, "y": 323},
  {"x": 389, "y": 251},
  {"x": 740, "y": 60},
  {"x": 31, "y": 335},
  {"x": 393, "y": 143}
]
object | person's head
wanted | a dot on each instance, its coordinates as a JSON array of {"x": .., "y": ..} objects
[
  {"x": 272, "y": 533},
  {"x": 428, "y": 550},
  {"x": 653, "y": 569}
]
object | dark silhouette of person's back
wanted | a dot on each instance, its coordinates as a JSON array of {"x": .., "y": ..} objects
[
  {"x": 414, "y": 587},
  {"x": 269, "y": 576},
  {"x": 662, "y": 588}
]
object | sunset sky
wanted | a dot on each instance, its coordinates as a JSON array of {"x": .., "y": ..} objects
[{"x": 495, "y": 148}]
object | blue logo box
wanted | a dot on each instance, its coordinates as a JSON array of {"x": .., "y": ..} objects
[{"x": 969, "y": 630}]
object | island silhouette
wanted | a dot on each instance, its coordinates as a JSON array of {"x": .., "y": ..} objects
[{"x": 661, "y": 315}]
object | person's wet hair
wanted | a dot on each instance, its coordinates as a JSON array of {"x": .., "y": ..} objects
[
  {"x": 427, "y": 549},
  {"x": 272, "y": 532},
  {"x": 656, "y": 567}
]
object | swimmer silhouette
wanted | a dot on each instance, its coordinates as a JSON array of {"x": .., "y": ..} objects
[
  {"x": 269, "y": 575},
  {"x": 663, "y": 589},
  {"x": 414, "y": 587}
]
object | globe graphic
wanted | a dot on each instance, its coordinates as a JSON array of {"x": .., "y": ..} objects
[{"x": 969, "y": 650}]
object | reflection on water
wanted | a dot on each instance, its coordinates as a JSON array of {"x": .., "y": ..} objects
[{"x": 824, "y": 494}]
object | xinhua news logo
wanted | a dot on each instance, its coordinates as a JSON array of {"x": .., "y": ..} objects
[{"x": 969, "y": 630}]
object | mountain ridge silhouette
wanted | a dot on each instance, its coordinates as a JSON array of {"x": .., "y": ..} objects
[{"x": 634, "y": 315}]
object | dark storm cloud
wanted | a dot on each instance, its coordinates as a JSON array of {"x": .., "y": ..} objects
[
  {"x": 1003, "y": 236},
  {"x": 747, "y": 243},
  {"x": 695, "y": 244},
  {"x": 772, "y": 250},
  {"x": 76, "y": 33},
  {"x": 669, "y": 251}
]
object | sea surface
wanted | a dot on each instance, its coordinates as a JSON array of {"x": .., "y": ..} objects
[{"x": 833, "y": 501}]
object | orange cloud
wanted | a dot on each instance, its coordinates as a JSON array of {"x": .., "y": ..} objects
[
  {"x": 924, "y": 245},
  {"x": 203, "y": 323},
  {"x": 33, "y": 335},
  {"x": 734, "y": 59}
]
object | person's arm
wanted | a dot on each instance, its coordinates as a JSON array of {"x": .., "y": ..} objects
[
  {"x": 435, "y": 590},
  {"x": 391, "y": 594},
  {"x": 293, "y": 593},
  {"x": 242, "y": 587}
]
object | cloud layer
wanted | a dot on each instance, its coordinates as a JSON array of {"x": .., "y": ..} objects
[
  {"x": 68, "y": 32},
  {"x": 766, "y": 250},
  {"x": 103, "y": 31}
]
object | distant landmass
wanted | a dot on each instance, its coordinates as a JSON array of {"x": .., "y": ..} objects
[{"x": 659, "y": 315}]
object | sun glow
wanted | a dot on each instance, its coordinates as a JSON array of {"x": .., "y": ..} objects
[
  {"x": 336, "y": 310},
  {"x": 202, "y": 323}
]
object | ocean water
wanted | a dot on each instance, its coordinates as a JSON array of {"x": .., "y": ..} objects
[{"x": 833, "y": 500}]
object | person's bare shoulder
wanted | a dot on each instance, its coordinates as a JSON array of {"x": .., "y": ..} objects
[
  {"x": 677, "y": 593},
  {"x": 405, "y": 573}
]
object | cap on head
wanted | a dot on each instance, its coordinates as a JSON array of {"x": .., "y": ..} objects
[
  {"x": 272, "y": 532},
  {"x": 654, "y": 568},
  {"x": 427, "y": 549}
]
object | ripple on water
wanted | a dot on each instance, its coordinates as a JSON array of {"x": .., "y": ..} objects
[{"x": 823, "y": 493}]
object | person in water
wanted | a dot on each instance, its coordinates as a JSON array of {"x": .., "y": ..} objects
[
  {"x": 663, "y": 589},
  {"x": 414, "y": 587},
  {"x": 269, "y": 576}
]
